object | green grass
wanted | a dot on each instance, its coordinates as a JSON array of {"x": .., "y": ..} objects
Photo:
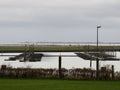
[
  {"x": 45, "y": 48},
  {"x": 48, "y": 84},
  {"x": 59, "y": 48}
]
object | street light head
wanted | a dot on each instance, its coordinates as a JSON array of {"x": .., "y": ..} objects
[{"x": 98, "y": 26}]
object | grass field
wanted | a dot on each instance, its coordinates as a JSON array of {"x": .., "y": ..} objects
[
  {"x": 48, "y": 84},
  {"x": 59, "y": 48}
]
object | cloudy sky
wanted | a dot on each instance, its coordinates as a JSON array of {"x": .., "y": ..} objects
[{"x": 59, "y": 20}]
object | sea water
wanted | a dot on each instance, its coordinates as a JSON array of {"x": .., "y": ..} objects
[{"x": 52, "y": 62}]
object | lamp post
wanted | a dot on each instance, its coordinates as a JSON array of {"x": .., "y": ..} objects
[{"x": 97, "y": 60}]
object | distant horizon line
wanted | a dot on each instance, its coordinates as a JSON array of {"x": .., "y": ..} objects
[{"x": 57, "y": 43}]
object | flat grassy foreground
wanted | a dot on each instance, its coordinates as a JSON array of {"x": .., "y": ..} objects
[{"x": 48, "y": 84}]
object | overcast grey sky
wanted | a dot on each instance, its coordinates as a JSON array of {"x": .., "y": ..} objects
[{"x": 59, "y": 20}]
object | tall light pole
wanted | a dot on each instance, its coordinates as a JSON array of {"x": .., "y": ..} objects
[{"x": 97, "y": 60}]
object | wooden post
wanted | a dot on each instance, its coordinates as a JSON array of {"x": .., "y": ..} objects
[
  {"x": 112, "y": 71},
  {"x": 90, "y": 64},
  {"x": 60, "y": 71}
]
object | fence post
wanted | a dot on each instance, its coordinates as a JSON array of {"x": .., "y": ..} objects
[
  {"x": 113, "y": 72},
  {"x": 60, "y": 71}
]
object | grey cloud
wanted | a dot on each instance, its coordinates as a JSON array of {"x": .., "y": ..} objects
[{"x": 75, "y": 20}]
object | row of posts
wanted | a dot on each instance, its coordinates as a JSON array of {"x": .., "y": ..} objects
[
  {"x": 60, "y": 69},
  {"x": 60, "y": 62}
]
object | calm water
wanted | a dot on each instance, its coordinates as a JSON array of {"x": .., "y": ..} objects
[{"x": 52, "y": 62}]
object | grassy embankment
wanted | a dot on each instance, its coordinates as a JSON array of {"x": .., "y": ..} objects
[
  {"x": 48, "y": 84},
  {"x": 59, "y": 48}
]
